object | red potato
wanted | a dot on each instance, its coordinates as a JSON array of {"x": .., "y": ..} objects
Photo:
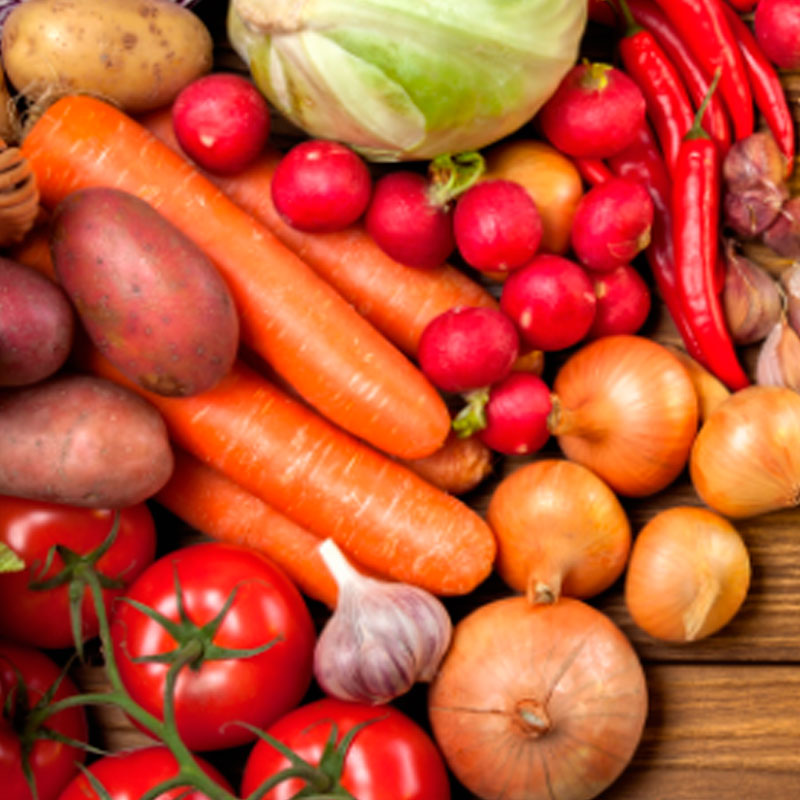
[
  {"x": 81, "y": 441},
  {"x": 467, "y": 348},
  {"x": 497, "y": 226},
  {"x": 552, "y": 302},
  {"x": 158, "y": 309},
  {"x": 612, "y": 224},
  {"x": 37, "y": 324},
  {"x": 321, "y": 186},
  {"x": 594, "y": 112},
  {"x": 406, "y": 224},
  {"x": 777, "y": 29},
  {"x": 221, "y": 121}
]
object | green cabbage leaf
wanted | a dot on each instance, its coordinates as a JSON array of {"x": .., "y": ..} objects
[{"x": 407, "y": 79}]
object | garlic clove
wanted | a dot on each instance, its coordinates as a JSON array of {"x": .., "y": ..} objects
[
  {"x": 751, "y": 299},
  {"x": 783, "y": 233},
  {"x": 778, "y": 362},
  {"x": 790, "y": 282},
  {"x": 382, "y": 638}
]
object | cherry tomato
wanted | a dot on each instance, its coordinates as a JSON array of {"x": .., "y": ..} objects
[
  {"x": 390, "y": 758},
  {"x": 53, "y": 763},
  {"x": 40, "y": 617},
  {"x": 129, "y": 774},
  {"x": 217, "y": 691}
]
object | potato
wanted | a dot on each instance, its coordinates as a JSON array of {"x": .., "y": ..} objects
[
  {"x": 83, "y": 441},
  {"x": 137, "y": 54},
  {"x": 37, "y": 324},
  {"x": 151, "y": 300}
]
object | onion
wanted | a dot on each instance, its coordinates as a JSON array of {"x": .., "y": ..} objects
[
  {"x": 688, "y": 574},
  {"x": 625, "y": 407},
  {"x": 559, "y": 528},
  {"x": 746, "y": 458},
  {"x": 535, "y": 702}
]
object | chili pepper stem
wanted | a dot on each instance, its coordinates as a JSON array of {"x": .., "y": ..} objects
[{"x": 697, "y": 131}]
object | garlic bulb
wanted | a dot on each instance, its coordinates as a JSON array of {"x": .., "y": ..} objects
[
  {"x": 778, "y": 362},
  {"x": 382, "y": 637}
]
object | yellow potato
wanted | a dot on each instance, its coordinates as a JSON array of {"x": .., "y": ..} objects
[{"x": 137, "y": 54}]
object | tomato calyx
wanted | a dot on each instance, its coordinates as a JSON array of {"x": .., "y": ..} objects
[
  {"x": 323, "y": 781},
  {"x": 194, "y": 643},
  {"x": 75, "y": 574}
]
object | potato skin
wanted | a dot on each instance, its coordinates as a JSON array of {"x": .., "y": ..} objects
[
  {"x": 37, "y": 325},
  {"x": 82, "y": 440},
  {"x": 137, "y": 54},
  {"x": 151, "y": 300}
]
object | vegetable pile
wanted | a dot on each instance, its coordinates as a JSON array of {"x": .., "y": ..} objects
[{"x": 226, "y": 309}]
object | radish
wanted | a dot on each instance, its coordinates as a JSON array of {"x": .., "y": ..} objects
[
  {"x": 612, "y": 224},
  {"x": 221, "y": 121},
  {"x": 497, "y": 226},
  {"x": 509, "y": 417},
  {"x": 623, "y": 302},
  {"x": 407, "y": 223},
  {"x": 777, "y": 29},
  {"x": 595, "y": 111},
  {"x": 321, "y": 185},
  {"x": 551, "y": 300},
  {"x": 467, "y": 348}
]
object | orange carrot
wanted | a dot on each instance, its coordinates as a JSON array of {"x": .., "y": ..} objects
[
  {"x": 396, "y": 299},
  {"x": 381, "y": 513},
  {"x": 214, "y": 505},
  {"x": 294, "y": 319}
]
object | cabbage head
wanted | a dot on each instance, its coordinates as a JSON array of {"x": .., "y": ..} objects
[{"x": 407, "y": 79}]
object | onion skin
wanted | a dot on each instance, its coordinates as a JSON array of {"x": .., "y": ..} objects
[
  {"x": 625, "y": 407},
  {"x": 564, "y": 664},
  {"x": 745, "y": 460},
  {"x": 688, "y": 575},
  {"x": 559, "y": 528}
]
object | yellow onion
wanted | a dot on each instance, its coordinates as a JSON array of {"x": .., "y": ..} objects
[
  {"x": 688, "y": 574},
  {"x": 625, "y": 407},
  {"x": 559, "y": 528},
  {"x": 746, "y": 458}
]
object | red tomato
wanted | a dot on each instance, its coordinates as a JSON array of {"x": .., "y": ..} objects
[
  {"x": 392, "y": 758},
  {"x": 211, "y": 697},
  {"x": 129, "y": 774},
  {"x": 53, "y": 763},
  {"x": 40, "y": 618}
]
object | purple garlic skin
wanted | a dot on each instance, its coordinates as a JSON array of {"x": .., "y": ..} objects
[
  {"x": 382, "y": 638},
  {"x": 783, "y": 234}
]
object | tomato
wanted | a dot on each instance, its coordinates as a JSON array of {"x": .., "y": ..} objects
[
  {"x": 53, "y": 763},
  {"x": 40, "y": 617},
  {"x": 391, "y": 758},
  {"x": 129, "y": 774},
  {"x": 212, "y": 695}
]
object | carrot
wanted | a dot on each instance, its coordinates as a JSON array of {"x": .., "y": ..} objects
[
  {"x": 396, "y": 299},
  {"x": 295, "y": 320},
  {"x": 214, "y": 505},
  {"x": 381, "y": 513}
]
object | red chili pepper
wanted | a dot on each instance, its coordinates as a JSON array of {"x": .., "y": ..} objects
[
  {"x": 767, "y": 88},
  {"x": 704, "y": 27},
  {"x": 653, "y": 19},
  {"x": 696, "y": 192},
  {"x": 668, "y": 106},
  {"x": 642, "y": 160},
  {"x": 593, "y": 170}
]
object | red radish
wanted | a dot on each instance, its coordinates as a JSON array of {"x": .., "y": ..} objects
[
  {"x": 321, "y": 185},
  {"x": 594, "y": 112},
  {"x": 777, "y": 28},
  {"x": 511, "y": 416},
  {"x": 623, "y": 302},
  {"x": 551, "y": 300},
  {"x": 221, "y": 121},
  {"x": 468, "y": 347},
  {"x": 406, "y": 223},
  {"x": 612, "y": 223},
  {"x": 497, "y": 226}
]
